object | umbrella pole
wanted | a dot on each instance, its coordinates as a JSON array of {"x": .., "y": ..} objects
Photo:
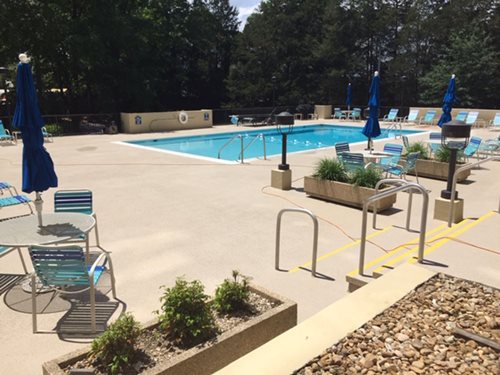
[{"x": 38, "y": 207}]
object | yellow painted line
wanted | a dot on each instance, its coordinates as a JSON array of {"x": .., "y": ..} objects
[
  {"x": 399, "y": 248},
  {"x": 409, "y": 253},
  {"x": 457, "y": 233},
  {"x": 340, "y": 249}
]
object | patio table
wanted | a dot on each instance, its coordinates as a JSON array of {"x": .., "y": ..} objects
[{"x": 374, "y": 156}]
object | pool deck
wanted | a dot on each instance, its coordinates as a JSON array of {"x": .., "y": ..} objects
[{"x": 163, "y": 216}]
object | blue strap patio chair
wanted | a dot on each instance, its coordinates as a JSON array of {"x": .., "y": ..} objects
[
  {"x": 15, "y": 200},
  {"x": 355, "y": 114},
  {"x": 472, "y": 148},
  {"x": 341, "y": 147},
  {"x": 5, "y": 135},
  {"x": 338, "y": 114},
  {"x": 61, "y": 268},
  {"x": 411, "y": 163},
  {"x": 461, "y": 116},
  {"x": 434, "y": 136},
  {"x": 80, "y": 201},
  {"x": 388, "y": 162},
  {"x": 352, "y": 161},
  {"x": 495, "y": 123},
  {"x": 428, "y": 119},
  {"x": 392, "y": 115}
]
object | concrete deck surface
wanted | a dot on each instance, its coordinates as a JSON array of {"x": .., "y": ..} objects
[{"x": 163, "y": 216}]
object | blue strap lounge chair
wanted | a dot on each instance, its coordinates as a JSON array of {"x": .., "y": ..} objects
[
  {"x": 411, "y": 163},
  {"x": 392, "y": 115},
  {"x": 412, "y": 116},
  {"x": 472, "y": 148},
  {"x": 495, "y": 123},
  {"x": 338, "y": 114},
  {"x": 80, "y": 201},
  {"x": 60, "y": 268},
  {"x": 461, "y": 116},
  {"x": 14, "y": 200},
  {"x": 434, "y": 136},
  {"x": 355, "y": 114},
  {"x": 388, "y": 162},
  {"x": 472, "y": 119},
  {"x": 428, "y": 119},
  {"x": 5, "y": 135}
]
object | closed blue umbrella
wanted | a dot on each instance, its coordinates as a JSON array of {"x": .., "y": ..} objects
[
  {"x": 448, "y": 101},
  {"x": 38, "y": 168},
  {"x": 372, "y": 126},
  {"x": 348, "y": 100}
]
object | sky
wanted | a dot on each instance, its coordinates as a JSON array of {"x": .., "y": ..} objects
[{"x": 245, "y": 8}]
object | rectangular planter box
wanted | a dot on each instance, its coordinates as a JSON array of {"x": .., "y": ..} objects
[
  {"x": 343, "y": 193},
  {"x": 437, "y": 170},
  {"x": 228, "y": 347}
]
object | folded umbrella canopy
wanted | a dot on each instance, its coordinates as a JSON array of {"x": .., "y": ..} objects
[
  {"x": 348, "y": 100},
  {"x": 372, "y": 126},
  {"x": 38, "y": 168},
  {"x": 448, "y": 101}
]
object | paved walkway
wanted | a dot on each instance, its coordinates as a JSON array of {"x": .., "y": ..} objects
[{"x": 164, "y": 216}]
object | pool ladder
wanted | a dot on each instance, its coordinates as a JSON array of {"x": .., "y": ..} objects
[{"x": 242, "y": 144}]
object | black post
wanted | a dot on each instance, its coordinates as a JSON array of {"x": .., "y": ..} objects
[
  {"x": 283, "y": 166},
  {"x": 446, "y": 194}
]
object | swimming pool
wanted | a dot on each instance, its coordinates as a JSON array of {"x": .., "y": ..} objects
[{"x": 227, "y": 146}]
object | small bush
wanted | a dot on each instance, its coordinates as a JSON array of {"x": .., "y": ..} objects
[
  {"x": 442, "y": 154},
  {"x": 232, "y": 295},
  {"x": 186, "y": 313},
  {"x": 418, "y": 147},
  {"x": 331, "y": 169},
  {"x": 366, "y": 177},
  {"x": 115, "y": 347}
]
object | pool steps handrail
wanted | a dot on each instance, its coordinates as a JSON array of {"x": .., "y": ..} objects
[{"x": 243, "y": 148}]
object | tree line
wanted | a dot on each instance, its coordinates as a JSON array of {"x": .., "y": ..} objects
[{"x": 157, "y": 55}]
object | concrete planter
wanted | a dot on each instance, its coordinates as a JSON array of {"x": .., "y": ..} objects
[
  {"x": 437, "y": 170},
  {"x": 343, "y": 193},
  {"x": 227, "y": 347}
]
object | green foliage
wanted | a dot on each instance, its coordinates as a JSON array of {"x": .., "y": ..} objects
[
  {"x": 115, "y": 347},
  {"x": 366, "y": 177},
  {"x": 331, "y": 169},
  {"x": 418, "y": 147},
  {"x": 232, "y": 295},
  {"x": 186, "y": 313},
  {"x": 442, "y": 154}
]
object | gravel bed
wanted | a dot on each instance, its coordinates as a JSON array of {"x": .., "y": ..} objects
[{"x": 416, "y": 335}]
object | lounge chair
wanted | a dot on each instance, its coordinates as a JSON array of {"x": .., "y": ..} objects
[
  {"x": 428, "y": 119},
  {"x": 412, "y": 116},
  {"x": 355, "y": 114},
  {"x": 411, "y": 163},
  {"x": 461, "y": 116},
  {"x": 495, "y": 123},
  {"x": 472, "y": 148},
  {"x": 352, "y": 161},
  {"x": 392, "y": 115},
  {"x": 78, "y": 200},
  {"x": 47, "y": 135},
  {"x": 341, "y": 147},
  {"x": 389, "y": 162},
  {"x": 472, "y": 119},
  {"x": 61, "y": 268},
  {"x": 338, "y": 114},
  {"x": 5, "y": 135},
  {"x": 14, "y": 198},
  {"x": 489, "y": 147}
]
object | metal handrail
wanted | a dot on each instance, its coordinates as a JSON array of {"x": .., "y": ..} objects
[
  {"x": 393, "y": 181},
  {"x": 315, "y": 236},
  {"x": 454, "y": 184},
  {"x": 253, "y": 140},
  {"x": 396, "y": 126},
  {"x": 386, "y": 193},
  {"x": 228, "y": 142}
]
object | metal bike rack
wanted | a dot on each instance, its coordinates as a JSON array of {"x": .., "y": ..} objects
[
  {"x": 386, "y": 193},
  {"x": 315, "y": 237},
  {"x": 252, "y": 141},
  {"x": 454, "y": 184},
  {"x": 394, "y": 181}
]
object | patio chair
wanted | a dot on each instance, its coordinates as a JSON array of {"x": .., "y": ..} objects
[
  {"x": 428, "y": 119},
  {"x": 406, "y": 142},
  {"x": 392, "y": 115},
  {"x": 411, "y": 163},
  {"x": 388, "y": 162},
  {"x": 355, "y": 114},
  {"x": 472, "y": 119},
  {"x": 495, "y": 123},
  {"x": 461, "y": 116},
  {"x": 412, "y": 116},
  {"x": 5, "y": 135},
  {"x": 80, "y": 201},
  {"x": 472, "y": 148},
  {"x": 338, "y": 114},
  {"x": 63, "y": 270},
  {"x": 341, "y": 147},
  {"x": 352, "y": 161},
  {"x": 47, "y": 135},
  {"x": 435, "y": 136},
  {"x": 489, "y": 147}
]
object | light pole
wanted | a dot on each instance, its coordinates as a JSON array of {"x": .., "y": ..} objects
[{"x": 281, "y": 178}]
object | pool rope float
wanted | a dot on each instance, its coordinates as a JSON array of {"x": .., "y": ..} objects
[{"x": 183, "y": 117}]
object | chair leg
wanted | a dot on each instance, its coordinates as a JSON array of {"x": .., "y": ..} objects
[
  {"x": 92, "y": 307},
  {"x": 96, "y": 231},
  {"x": 112, "y": 274},
  {"x": 22, "y": 260},
  {"x": 33, "y": 302}
]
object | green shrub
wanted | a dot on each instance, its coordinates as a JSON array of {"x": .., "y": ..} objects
[
  {"x": 186, "y": 313},
  {"x": 232, "y": 295},
  {"x": 115, "y": 347},
  {"x": 442, "y": 154},
  {"x": 366, "y": 177},
  {"x": 418, "y": 147},
  {"x": 331, "y": 169}
]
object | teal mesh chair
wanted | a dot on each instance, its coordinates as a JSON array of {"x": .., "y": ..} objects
[
  {"x": 79, "y": 201},
  {"x": 392, "y": 115},
  {"x": 388, "y": 162},
  {"x": 472, "y": 119},
  {"x": 461, "y": 116},
  {"x": 411, "y": 163},
  {"x": 63, "y": 270},
  {"x": 355, "y": 114},
  {"x": 5, "y": 135},
  {"x": 338, "y": 114},
  {"x": 428, "y": 119},
  {"x": 495, "y": 123},
  {"x": 412, "y": 116}
]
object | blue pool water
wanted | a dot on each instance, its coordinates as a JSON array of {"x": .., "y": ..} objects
[{"x": 303, "y": 138}]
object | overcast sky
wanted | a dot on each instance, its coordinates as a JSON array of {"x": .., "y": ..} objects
[{"x": 245, "y": 8}]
